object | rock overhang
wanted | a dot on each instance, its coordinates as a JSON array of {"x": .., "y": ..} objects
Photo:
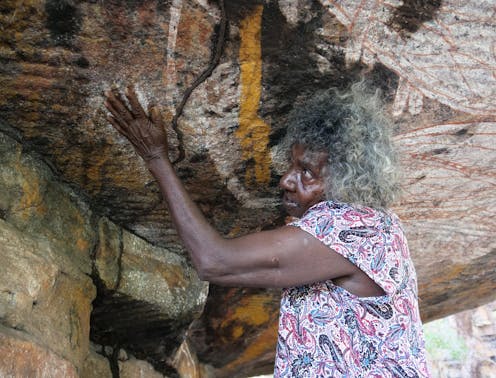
[{"x": 277, "y": 53}]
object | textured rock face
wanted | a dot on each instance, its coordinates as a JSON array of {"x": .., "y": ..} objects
[
  {"x": 58, "y": 56},
  {"x": 23, "y": 358},
  {"x": 475, "y": 355},
  {"x": 57, "y": 256}
]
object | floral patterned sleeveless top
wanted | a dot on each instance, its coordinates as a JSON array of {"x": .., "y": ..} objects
[{"x": 325, "y": 331}]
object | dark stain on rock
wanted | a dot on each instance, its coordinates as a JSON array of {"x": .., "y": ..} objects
[
  {"x": 185, "y": 173},
  {"x": 384, "y": 79},
  {"x": 291, "y": 72},
  {"x": 64, "y": 20},
  {"x": 199, "y": 157},
  {"x": 163, "y": 6},
  {"x": 138, "y": 327},
  {"x": 3, "y": 214},
  {"x": 420, "y": 178},
  {"x": 239, "y": 9},
  {"x": 133, "y": 4},
  {"x": 82, "y": 62},
  {"x": 462, "y": 132},
  {"x": 440, "y": 151},
  {"x": 277, "y": 136},
  {"x": 408, "y": 18}
]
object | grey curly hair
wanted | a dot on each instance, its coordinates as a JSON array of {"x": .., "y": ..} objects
[{"x": 351, "y": 127}]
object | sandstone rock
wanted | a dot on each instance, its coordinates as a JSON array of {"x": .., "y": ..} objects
[
  {"x": 149, "y": 300},
  {"x": 478, "y": 328},
  {"x": 160, "y": 277},
  {"x": 462, "y": 345},
  {"x": 95, "y": 365},
  {"x": 108, "y": 253},
  {"x": 32, "y": 199},
  {"x": 135, "y": 368},
  {"x": 46, "y": 294},
  {"x": 21, "y": 357},
  {"x": 41, "y": 299}
]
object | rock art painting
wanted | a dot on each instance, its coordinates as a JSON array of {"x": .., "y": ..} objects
[
  {"x": 253, "y": 131},
  {"x": 448, "y": 210},
  {"x": 170, "y": 70},
  {"x": 458, "y": 159},
  {"x": 451, "y": 57},
  {"x": 434, "y": 59},
  {"x": 235, "y": 85}
]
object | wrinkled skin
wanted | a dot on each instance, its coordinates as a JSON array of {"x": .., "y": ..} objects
[
  {"x": 283, "y": 257},
  {"x": 146, "y": 134},
  {"x": 303, "y": 183}
]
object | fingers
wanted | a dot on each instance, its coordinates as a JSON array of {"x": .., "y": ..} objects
[
  {"x": 117, "y": 126},
  {"x": 115, "y": 113},
  {"x": 136, "y": 107},
  {"x": 123, "y": 131},
  {"x": 115, "y": 104},
  {"x": 155, "y": 116}
]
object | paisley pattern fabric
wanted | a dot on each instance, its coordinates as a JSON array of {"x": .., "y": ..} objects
[{"x": 325, "y": 331}]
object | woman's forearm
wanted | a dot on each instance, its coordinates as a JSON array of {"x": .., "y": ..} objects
[
  {"x": 203, "y": 242},
  {"x": 148, "y": 137}
]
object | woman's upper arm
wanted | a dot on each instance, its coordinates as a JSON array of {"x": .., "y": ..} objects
[{"x": 284, "y": 257}]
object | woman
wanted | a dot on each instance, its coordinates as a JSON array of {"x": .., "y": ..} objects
[{"x": 351, "y": 309}]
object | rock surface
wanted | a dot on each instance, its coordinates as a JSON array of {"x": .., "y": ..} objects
[
  {"x": 58, "y": 56},
  {"x": 464, "y": 344},
  {"x": 148, "y": 302},
  {"x": 95, "y": 365},
  {"x": 57, "y": 256},
  {"x": 21, "y": 357}
]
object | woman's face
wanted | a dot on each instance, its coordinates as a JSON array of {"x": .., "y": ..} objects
[{"x": 303, "y": 183}]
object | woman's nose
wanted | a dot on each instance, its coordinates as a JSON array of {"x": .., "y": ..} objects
[{"x": 287, "y": 181}]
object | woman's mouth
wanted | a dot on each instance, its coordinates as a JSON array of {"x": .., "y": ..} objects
[{"x": 288, "y": 202}]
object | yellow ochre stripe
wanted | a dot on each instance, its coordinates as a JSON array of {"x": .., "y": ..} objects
[{"x": 253, "y": 132}]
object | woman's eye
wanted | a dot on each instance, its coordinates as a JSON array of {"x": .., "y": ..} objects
[{"x": 307, "y": 173}]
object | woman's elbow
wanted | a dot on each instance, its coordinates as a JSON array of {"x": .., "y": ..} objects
[
  {"x": 203, "y": 273},
  {"x": 209, "y": 270},
  {"x": 210, "y": 263}
]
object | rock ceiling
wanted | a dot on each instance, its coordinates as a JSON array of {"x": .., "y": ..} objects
[{"x": 435, "y": 62}]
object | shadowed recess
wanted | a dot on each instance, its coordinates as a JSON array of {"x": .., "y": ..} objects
[
  {"x": 138, "y": 327},
  {"x": 231, "y": 322}
]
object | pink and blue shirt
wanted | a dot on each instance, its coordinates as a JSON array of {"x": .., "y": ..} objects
[{"x": 325, "y": 331}]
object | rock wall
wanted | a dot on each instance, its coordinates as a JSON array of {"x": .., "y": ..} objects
[
  {"x": 435, "y": 62},
  {"x": 68, "y": 276},
  {"x": 463, "y": 344}
]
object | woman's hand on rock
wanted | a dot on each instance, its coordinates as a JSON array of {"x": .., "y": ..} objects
[{"x": 146, "y": 133}]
